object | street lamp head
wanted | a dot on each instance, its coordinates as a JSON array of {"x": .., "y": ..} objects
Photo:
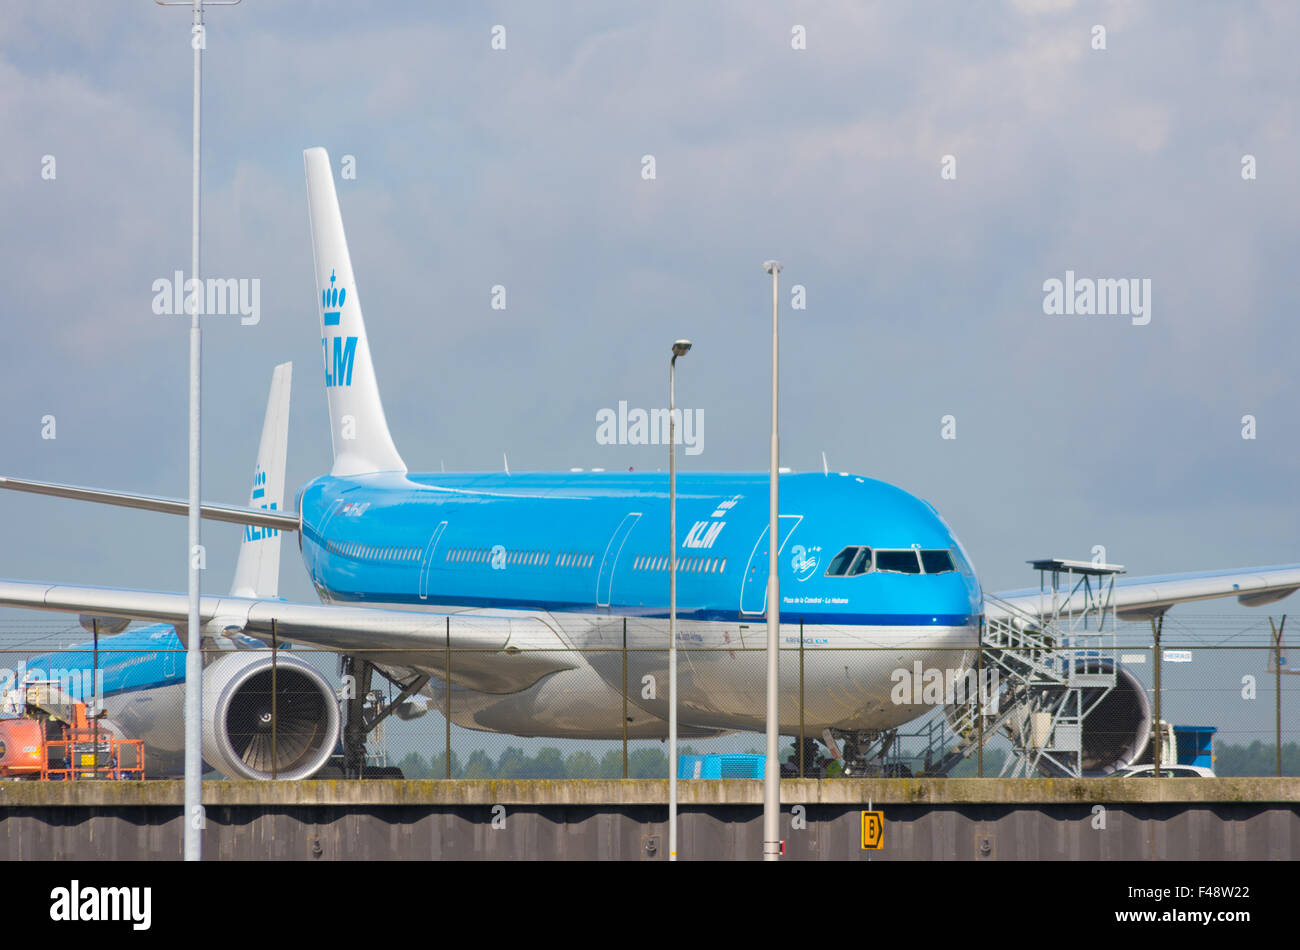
[
  {"x": 681, "y": 348},
  {"x": 772, "y": 267}
]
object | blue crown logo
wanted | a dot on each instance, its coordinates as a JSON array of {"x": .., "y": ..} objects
[
  {"x": 331, "y": 299},
  {"x": 259, "y": 484}
]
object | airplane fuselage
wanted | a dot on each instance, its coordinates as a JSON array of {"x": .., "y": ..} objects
[{"x": 587, "y": 553}]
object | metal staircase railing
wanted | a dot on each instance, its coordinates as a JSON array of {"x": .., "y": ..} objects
[{"x": 1038, "y": 699}]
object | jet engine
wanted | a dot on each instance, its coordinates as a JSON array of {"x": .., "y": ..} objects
[
  {"x": 1116, "y": 730},
  {"x": 247, "y": 736}
]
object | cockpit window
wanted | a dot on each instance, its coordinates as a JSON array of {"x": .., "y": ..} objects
[
  {"x": 841, "y": 563},
  {"x": 962, "y": 563},
  {"x": 861, "y": 563},
  {"x": 900, "y": 562},
  {"x": 937, "y": 562},
  {"x": 859, "y": 559}
]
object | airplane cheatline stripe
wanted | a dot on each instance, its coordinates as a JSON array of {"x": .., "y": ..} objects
[{"x": 788, "y": 616}]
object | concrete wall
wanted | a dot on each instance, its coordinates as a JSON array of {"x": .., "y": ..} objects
[{"x": 944, "y": 819}]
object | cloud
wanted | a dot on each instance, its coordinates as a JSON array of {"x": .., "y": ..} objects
[{"x": 523, "y": 168}]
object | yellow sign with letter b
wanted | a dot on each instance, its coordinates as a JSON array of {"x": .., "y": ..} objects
[{"x": 873, "y": 830}]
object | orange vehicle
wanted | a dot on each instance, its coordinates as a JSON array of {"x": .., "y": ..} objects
[
  {"x": 55, "y": 738},
  {"x": 22, "y": 748}
]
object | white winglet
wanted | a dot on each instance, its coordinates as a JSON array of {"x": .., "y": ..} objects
[
  {"x": 257, "y": 572},
  {"x": 358, "y": 429}
]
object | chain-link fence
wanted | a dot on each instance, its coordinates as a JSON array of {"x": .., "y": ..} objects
[{"x": 1216, "y": 694}]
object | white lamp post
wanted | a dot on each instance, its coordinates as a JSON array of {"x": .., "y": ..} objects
[
  {"x": 193, "y": 654},
  {"x": 771, "y": 771},
  {"x": 680, "y": 348}
]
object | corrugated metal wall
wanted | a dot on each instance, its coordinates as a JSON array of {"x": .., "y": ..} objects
[{"x": 1180, "y": 831}]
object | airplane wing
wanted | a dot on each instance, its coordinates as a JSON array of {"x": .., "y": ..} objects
[
  {"x": 501, "y": 653},
  {"x": 233, "y": 514},
  {"x": 1140, "y": 598}
]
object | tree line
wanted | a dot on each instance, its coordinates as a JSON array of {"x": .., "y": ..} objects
[
  {"x": 548, "y": 763},
  {"x": 1256, "y": 759}
]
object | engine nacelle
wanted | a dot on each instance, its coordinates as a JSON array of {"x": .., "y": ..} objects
[
  {"x": 1116, "y": 732},
  {"x": 237, "y": 717}
]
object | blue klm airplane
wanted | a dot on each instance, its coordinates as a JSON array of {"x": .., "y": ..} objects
[{"x": 528, "y": 581}]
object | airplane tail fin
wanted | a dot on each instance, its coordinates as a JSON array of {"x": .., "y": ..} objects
[
  {"x": 358, "y": 429},
  {"x": 257, "y": 572}
]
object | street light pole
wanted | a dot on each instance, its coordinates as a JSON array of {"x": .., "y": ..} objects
[
  {"x": 680, "y": 348},
  {"x": 771, "y": 771},
  {"x": 193, "y": 817}
]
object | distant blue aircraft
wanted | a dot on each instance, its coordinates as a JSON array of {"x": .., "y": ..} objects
[{"x": 136, "y": 678}]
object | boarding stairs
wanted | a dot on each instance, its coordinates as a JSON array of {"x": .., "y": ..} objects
[{"x": 1052, "y": 668}]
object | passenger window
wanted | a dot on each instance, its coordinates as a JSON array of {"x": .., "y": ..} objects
[
  {"x": 900, "y": 562},
  {"x": 936, "y": 562}
]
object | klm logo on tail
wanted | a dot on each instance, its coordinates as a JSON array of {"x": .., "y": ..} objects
[
  {"x": 338, "y": 370},
  {"x": 339, "y": 351},
  {"x": 253, "y": 532},
  {"x": 331, "y": 301}
]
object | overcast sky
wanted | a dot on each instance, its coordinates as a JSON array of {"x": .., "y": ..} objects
[{"x": 524, "y": 167}]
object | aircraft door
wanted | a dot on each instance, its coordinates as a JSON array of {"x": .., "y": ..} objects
[
  {"x": 427, "y": 561},
  {"x": 605, "y": 580},
  {"x": 753, "y": 596}
]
